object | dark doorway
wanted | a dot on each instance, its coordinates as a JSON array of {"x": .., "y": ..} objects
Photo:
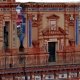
[
  {"x": 6, "y": 33},
  {"x": 51, "y": 50}
]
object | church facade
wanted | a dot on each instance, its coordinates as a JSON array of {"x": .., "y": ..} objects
[{"x": 39, "y": 41}]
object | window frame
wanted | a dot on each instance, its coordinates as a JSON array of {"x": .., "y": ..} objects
[{"x": 53, "y": 26}]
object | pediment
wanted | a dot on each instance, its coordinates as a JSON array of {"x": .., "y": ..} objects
[
  {"x": 53, "y": 17},
  {"x": 48, "y": 32}
]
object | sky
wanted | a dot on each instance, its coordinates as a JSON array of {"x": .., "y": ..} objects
[{"x": 47, "y": 0}]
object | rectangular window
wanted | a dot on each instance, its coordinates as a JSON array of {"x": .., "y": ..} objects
[
  {"x": 6, "y": 34},
  {"x": 52, "y": 51},
  {"x": 53, "y": 24}
]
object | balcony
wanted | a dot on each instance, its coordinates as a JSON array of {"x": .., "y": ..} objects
[
  {"x": 35, "y": 59},
  {"x": 70, "y": 55},
  {"x": 28, "y": 58},
  {"x": 36, "y": 56}
]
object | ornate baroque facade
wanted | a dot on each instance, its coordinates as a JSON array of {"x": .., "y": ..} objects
[{"x": 40, "y": 43}]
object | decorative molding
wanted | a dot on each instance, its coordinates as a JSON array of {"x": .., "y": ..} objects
[
  {"x": 53, "y": 17},
  {"x": 44, "y": 6},
  {"x": 37, "y": 22},
  {"x": 48, "y": 32},
  {"x": 13, "y": 16},
  {"x": 46, "y": 9},
  {"x": 30, "y": 16},
  {"x": 70, "y": 19}
]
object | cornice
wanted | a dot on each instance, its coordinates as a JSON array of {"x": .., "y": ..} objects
[
  {"x": 38, "y": 5},
  {"x": 8, "y": 5},
  {"x": 34, "y": 4}
]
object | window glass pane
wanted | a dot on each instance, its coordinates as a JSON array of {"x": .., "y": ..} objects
[{"x": 53, "y": 24}]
